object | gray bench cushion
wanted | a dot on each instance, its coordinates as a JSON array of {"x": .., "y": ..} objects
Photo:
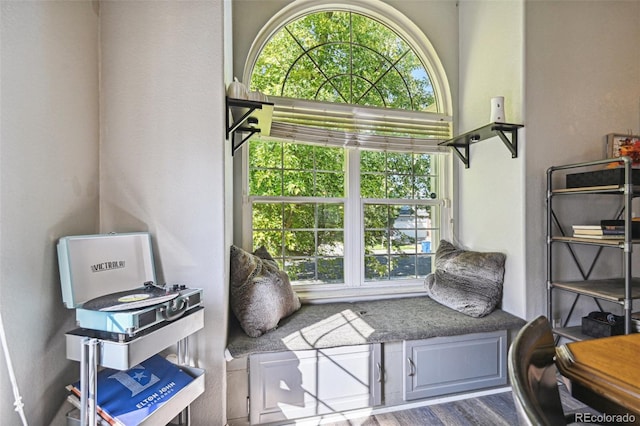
[{"x": 342, "y": 324}]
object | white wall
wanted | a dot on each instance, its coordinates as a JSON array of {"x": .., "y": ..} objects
[
  {"x": 48, "y": 187},
  {"x": 582, "y": 82},
  {"x": 163, "y": 154},
  {"x": 491, "y": 213}
]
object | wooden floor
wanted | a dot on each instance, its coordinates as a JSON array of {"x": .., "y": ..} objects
[{"x": 490, "y": 410}]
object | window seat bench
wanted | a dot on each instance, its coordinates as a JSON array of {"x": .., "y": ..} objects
[
  {"x": 328, "y": 325},
  {"x": 328, "y": 359}
]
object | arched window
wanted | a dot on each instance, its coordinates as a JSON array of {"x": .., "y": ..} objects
[
  {"x": 338, "y": 218},
  {"x": 343, "y": 57}
]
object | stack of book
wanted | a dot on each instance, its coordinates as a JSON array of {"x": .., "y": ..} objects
[
  {"x": 126, "y": 398},
  {"x": 607, "y": 229}
]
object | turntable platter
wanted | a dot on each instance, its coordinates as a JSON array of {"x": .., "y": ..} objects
[{"x": 131, "y": 299}]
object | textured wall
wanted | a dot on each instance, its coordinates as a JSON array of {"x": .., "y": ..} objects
[
  {"x": 491, "y": 192},
  {"x": 583, "y": 81},
  {"x": 48, "y": 187},
  {"x": 163, "y": 156}
]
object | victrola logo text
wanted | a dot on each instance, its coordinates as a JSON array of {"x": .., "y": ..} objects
[{"x": 107, "y": 266}]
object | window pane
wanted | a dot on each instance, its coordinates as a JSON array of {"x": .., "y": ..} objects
[
  {"x": 425, "y": 187},
  {"x": 396, "y": 175},
  {"x": 400, "y": 186},
  {"x": 300, "y": 269},
  {"x": 423, "y": 265},
  {"x": 376, "y": 216},
  {"x": 376, "y": 242},
  {"x": 265, "y": 182},
  {"x": 329, "y": 184},
  {"x": 299, "y": 243},
  {"x": 298, "y": 184},
  {"x": 271, "y": 68},
  {"x": 299, "y": 216},
  {"x": 403, "y": 247},
  {"x": 265, "y": 155},
  {"x": 267, "y": 216},
  {"x": 308, "y": 238},
  {"x": 271, "y": 240},
  {"x": 423, "y": 164},
  {"x": 330, "y": 159},
  {"x": 298, "y": 157},
  {"x": 404, "y": 241},
  {"x": 373, "y": 186},
  {"x": 331, "y": 269},
  {"x": 372, "y": 161},
  {"x": 400, "y": 163},
  {"x": 330, "y": 216},
  {"x": 376, "y": 267},
  {"x": 403, "y": 267},
  {"x": 331, "y": 243}
]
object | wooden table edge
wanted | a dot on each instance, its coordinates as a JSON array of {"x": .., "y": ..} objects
[{"x": 609, "y": 389}]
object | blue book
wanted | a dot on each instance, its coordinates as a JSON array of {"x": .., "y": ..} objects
[{"x": 128, "y": 397}]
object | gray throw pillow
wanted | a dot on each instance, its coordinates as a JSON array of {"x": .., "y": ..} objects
[
  {"x": 467, "y": 281},
  {"x": 260, "y": 293}
]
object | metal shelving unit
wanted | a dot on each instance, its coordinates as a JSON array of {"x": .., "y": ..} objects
[
  {"x": 619, "y": 290},
  {"x": 94, "y": 353}
]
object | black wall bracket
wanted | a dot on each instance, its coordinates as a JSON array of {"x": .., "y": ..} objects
[
  {"x": 248, "y": 116},
  {"x": 460, "y": 144}
]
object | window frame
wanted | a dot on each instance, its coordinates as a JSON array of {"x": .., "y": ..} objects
[{"x": 355, "y": 287}]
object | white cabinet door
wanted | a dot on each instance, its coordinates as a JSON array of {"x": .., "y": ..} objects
[
  {"x": 297, "y": 384},
  {"x": 444, "y": 365}
]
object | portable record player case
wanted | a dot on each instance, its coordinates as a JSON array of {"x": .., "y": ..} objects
[{"x": 93, "y": 266}]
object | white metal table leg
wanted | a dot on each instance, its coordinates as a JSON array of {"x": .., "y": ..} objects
[{"x": 88, "y": 381}]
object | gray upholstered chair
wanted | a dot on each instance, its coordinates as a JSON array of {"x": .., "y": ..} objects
[{"x": 532, "y": 373}]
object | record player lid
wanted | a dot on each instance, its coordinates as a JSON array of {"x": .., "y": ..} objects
[{"x": 96, "y": 265}]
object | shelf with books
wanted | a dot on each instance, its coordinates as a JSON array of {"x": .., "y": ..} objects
[
  {"x": 151, "y": 392},
  {"x": 620, "y": 234},
  {"x": 610, "y": 242},
  {"x": 607, "y": 229}
]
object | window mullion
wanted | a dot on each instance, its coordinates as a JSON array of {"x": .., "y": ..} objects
[
  {"x": 246, "y": 216},
  {"x": 354, "y": 270}
]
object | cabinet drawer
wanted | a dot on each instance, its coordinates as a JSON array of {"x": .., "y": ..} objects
[
  {"x": 445, "y": 365},
  {"x": 297, "y": 384}
]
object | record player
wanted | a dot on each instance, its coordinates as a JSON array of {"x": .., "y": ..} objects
[{"x": 110, "y": 280}]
